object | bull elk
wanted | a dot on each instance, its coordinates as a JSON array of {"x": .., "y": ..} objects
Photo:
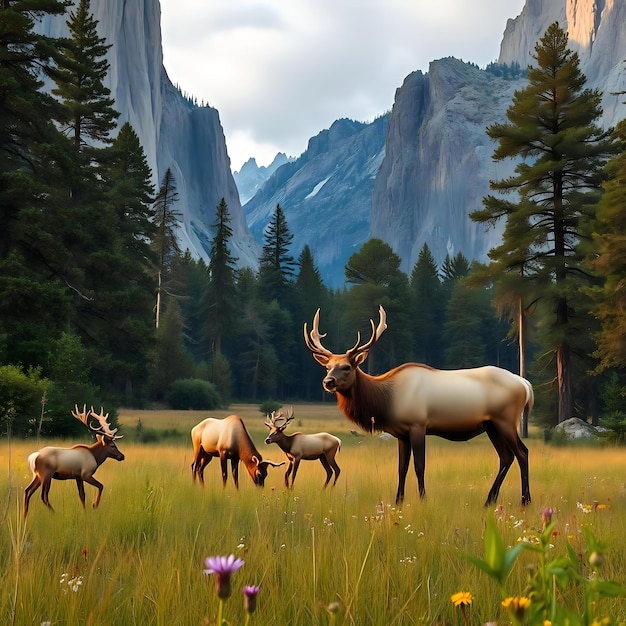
[
  {"x": 299, "y": 447},
  {"x": 414, "y": 400},
  {"x": 227, "y": 439},
  {"x": 78, "y": 463}
]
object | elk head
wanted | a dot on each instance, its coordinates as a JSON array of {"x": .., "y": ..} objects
[
  {"x": 277, "y": 422},
  {"x": 259, "y": 472},
  {"x": 105, "y": 436},
  {"x": 341, "y": 368}
]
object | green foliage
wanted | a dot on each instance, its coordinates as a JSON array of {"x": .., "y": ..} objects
[
  {"x": 193, "y": 394},
  {"x": 269, "y": 406},
  {"x": 560, "y": 151},
  {"x": 21, "y": 394},
  {"x": 546, "y": 593},
  {"x": 614, "y": 417},
  {"x": 276, "y": 265}
]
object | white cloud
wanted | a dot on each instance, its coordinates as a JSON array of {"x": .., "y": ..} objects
[{"x": 281, "y": 71}]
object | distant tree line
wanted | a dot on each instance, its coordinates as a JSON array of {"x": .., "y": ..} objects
[{"x": 99, "y": 304}]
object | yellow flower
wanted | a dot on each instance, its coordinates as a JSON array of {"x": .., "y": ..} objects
[
  {"x": 516, "y": 606},
  {"x": 547, "y": 622},
  {"x": 461, "y": 598}
]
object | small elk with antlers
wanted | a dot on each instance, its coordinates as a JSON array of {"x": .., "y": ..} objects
[
  {"x": 414, "y": 400},
  {"x": 227, "y": 439},
  {"x": 78, "y": 463},
  {"x": 299, "y": 446}
]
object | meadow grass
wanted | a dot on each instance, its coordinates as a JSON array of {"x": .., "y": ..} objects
[{"x": 138, "y": 559}]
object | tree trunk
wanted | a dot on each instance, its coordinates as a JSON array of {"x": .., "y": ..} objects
[
  {"x": 564, "y": 379},
  {"x": 522, "y": 361}
]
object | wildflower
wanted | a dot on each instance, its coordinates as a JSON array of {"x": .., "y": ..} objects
[
  {"x": 333, "y": 607},
  {"x": 461, "y": 598},
  {"x": 223, "y": 567},
  {"x": 516, "y": 607},
  {"x": 249, "y": 598},
  {"x": 596, "y": 559},
  {"x": 546, "y": 517}
]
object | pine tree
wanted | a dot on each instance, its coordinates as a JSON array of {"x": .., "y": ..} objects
[
  {"x": 33, "y": 303},
  {"x": 276, "y": 265},
  {"x": 608, "y": 258},
  {"x": 221, "y": 306},
  {"x": 427, "y": 305},
  {"x": 165, "y": 242},
  {"x": 552, "y": 131},
  {"x": 90, "y": 117}
]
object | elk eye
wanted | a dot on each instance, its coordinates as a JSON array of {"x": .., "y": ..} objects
[{"x": 346, "y": 368}]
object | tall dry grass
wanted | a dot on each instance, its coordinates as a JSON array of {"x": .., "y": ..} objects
[{"x": 138, "y": 559}]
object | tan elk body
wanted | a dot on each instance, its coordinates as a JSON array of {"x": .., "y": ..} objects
[
  {"x": 414, "y": 400},
  {"x": 227, "y": 439},
  {"x": 78, "y": 463},
  {"x": 303, "y": 447}
]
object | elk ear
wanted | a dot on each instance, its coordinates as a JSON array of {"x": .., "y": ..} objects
[
  {"x": 322, "y": 359},
  {"x": 360, "y": 357}
]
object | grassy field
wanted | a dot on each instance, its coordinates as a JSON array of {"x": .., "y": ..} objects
[{"x": 139, "y": 558}]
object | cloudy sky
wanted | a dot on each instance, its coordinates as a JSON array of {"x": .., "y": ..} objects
[{"x": 280, "y": 71}]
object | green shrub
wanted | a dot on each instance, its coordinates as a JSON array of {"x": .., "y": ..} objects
[
  {"x": 20, "y": 398},
  {"x": 192, "y": 393},
  {"x": 269, "y": 406}
]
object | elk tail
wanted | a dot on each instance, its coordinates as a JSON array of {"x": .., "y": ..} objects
[{"x": 31, "y": 461}]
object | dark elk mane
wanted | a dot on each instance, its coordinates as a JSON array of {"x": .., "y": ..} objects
[{"x": 368, "y": 401}]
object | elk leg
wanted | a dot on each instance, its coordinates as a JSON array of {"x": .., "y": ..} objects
[
  {"x": 296, "y": 465},
  {"x": 99, "y": 486},
  {"x": 29, "y": 491},
  {"x": 521, "y": 454},
  {"x": 81, "y": 491},
  {"x": 337, "y": 469},
  {"x": 404, "y": 456},
  {"x": 234, "y": 465},
  {"x": 288, "y": 473},
  {"x": 418, "y": 446},
  {"x": 506, "y": 459},
  {"x": 45, "y": 490},
  {"x": 203, "y": 461},
  {"x": 329, "y": 471},
  {"x": 224, "y": 466}
]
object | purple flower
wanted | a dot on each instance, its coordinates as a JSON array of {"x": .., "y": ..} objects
[
  {"x": 546, "y": 517},
  {"x": 222, "y": 567},
  {"x": 249, "y": 598}
]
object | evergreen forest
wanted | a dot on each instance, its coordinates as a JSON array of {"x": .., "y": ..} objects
[{"x": 100, "y": 305}]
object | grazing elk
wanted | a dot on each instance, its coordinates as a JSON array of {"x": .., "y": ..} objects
[
  {"x": 299, "y": 447},
  {"x": 78, "y": 463},
  {"x": 227, "y": 439},
  {"x": 414, "y": 400}
]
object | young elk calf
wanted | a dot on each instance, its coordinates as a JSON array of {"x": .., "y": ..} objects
[
  {"x": 299, "y": 446},
  {"x": 78, "y": 463}
]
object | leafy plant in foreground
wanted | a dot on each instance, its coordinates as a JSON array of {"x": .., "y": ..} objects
[{"x": 541, "y": 604}]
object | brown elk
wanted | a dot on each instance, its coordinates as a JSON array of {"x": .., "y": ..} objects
[
  {"x": 78, "y": 463},
  {"x": 414, "y": 400},
  {"x": 299, "y": 447},
  {"x": 227, "y": 439}
]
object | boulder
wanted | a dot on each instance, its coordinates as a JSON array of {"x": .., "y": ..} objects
[{"x": 576, "y": 429}]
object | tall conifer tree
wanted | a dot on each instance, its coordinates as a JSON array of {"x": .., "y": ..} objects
[
  {"x": 552, "y": 129},
  {"x": 276, "y": 265}
]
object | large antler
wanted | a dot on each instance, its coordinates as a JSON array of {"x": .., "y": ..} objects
[
  {"x": 314, "y": 343},
  {"x": 278, "y": 420},
  {"x": 105, "y": 427},
  {"x": 377, "y": 331}
]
